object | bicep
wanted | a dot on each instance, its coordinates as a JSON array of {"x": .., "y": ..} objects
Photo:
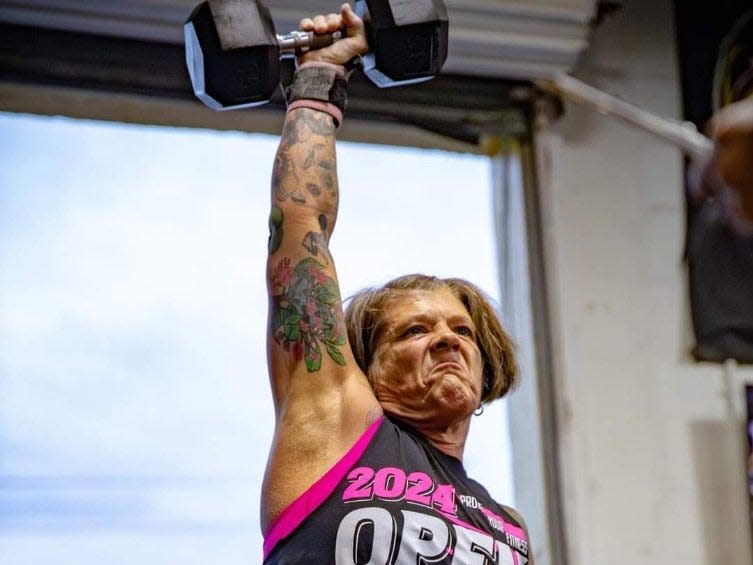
[{"x": 306, "y": 329}]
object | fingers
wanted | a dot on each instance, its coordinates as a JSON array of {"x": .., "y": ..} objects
[
  {"x": 354, "y": 43},
  {"x": 322, "y": 24},
  {"x": 330, "y": 23},
  {"x": 349, "y": 17}
]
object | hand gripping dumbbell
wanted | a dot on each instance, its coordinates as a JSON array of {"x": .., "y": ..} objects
[{"x": 233, "y": 52}]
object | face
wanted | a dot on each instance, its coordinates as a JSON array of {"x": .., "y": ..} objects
[{"x": 427, "y": 365}]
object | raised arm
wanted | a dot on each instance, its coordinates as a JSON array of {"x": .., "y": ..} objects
[
  {"x": 306, "y": 336},
  {"x": 322, "y": 400}
]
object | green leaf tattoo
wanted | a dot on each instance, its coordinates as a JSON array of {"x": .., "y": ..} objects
[
  {"x": 306, "y": 312},
  {"x": 275, "y": 229}
]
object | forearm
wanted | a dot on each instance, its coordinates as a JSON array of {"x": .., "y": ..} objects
[
  {"x": 306, "y": 332},
  {"x": 304, "y": 180},
  {"x": 304, "y": 177},
  {"x": 306, "y": 313}
]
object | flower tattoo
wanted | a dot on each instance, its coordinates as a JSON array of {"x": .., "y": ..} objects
[{"x": 306, "y": 312}]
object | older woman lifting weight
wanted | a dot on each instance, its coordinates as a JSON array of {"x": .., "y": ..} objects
[{"x": 373, "y": 406}]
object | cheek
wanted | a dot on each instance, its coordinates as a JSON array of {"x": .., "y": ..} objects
[
  {"x": 374, "y": 372},
  {"x": 393, "y": 365},
  {"x": 478, "y": 364},
  {"x": 382, "y": 366}
]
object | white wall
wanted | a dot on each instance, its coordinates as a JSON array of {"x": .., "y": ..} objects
[{"x": 652, "y": 459}]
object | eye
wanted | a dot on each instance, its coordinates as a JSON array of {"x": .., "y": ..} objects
[
  {"x": 464, "y": 330},
  {"x": 414, "y": 330}
]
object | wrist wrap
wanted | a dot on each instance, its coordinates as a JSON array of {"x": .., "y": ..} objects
[{"x": 320, "y": 86}]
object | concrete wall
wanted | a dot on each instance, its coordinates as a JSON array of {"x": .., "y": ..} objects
[{"x": 652, "y": 465}]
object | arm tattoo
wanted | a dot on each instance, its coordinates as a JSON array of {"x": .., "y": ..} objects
[
  {"x": 275, "y": 229},
  {"x": 306, "y": 315},
  {"x": 306, "y": 312},
  {"x": 285, "y": 180},
  {"x": 304, "y": 169},
  {"x": 316, "y": 243}
]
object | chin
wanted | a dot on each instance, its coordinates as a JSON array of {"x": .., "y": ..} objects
[{"x": 456, "y": 397}]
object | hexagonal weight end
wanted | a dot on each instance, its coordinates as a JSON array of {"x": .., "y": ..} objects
[
  {"x": 226, "y": 79},
  {"x": 409, "y": 40}
]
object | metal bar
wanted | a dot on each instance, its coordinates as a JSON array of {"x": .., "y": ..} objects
[
  {"x": 683, "y": 134},
  {"x": 546, "y": 359}
]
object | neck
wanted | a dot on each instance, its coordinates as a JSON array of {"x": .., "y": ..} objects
[{"x": 447, "y": 438}]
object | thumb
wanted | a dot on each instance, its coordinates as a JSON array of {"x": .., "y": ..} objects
[{"x": 350, "y": 18}]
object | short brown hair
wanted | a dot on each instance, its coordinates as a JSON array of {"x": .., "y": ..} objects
[{"x": 364, "y": 320}]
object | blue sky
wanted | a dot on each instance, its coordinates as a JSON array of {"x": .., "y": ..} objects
[{"x": 134, "y": 406}]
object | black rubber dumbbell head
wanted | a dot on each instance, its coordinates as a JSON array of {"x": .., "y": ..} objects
[
  {"x": 232, "y": 53},
  {"x": 407, "y": 40}
]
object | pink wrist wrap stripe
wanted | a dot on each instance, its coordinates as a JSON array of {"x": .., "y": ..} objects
[
  {"x": 325, "y": 107},
  {"x": 320, "y": 87}
]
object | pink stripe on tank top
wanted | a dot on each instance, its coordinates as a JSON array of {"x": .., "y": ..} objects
[{"x": 298, "y": 510}]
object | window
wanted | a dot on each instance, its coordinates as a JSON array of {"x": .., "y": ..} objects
[{"x": 134, "y": 406}]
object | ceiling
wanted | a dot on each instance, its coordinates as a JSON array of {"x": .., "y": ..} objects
[
  {"x": 53, "y": 48},
  {"x": 490, "y": 38}
]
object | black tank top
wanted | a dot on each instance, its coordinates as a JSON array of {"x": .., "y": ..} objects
[{"x": 393, "y": 499}]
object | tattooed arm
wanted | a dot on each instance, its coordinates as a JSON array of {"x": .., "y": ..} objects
[
  {"x": 305, "y": 319},
  {"x": 322, "y": 400}
]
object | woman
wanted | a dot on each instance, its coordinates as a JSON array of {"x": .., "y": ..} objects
[{"x": 371, "y": 420}]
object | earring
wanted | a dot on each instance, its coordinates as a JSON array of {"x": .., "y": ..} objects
[{"x": 479, "y": 410}]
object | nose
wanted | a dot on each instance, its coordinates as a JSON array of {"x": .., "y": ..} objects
[{"x": 446, "y": 339}]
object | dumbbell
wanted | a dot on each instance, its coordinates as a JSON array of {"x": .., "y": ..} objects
[{"x": 233, "y": 53}]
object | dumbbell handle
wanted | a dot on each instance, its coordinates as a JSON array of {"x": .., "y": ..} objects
[{"x": 299, "y": 42}]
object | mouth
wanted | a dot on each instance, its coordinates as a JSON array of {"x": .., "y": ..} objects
[{"x": 448, "y": 366}]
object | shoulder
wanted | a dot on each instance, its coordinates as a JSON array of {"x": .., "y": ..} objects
[{"x": 515, "y": 515}]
